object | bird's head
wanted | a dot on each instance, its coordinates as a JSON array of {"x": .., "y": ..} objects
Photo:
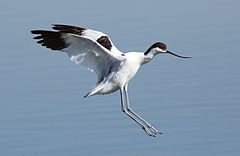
[{"x": 158, "y": 48}]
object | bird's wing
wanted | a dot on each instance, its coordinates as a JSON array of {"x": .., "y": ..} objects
[{"x": 92, "y": 49}]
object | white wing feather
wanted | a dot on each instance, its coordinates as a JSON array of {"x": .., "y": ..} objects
[
  {"x": 90, "y": 54},
  {"x": 86, "y": 47}
]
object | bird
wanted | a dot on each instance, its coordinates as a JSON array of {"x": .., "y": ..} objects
[{"x": 95, "y": 51}]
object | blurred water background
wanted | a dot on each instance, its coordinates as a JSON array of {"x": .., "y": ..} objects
[{"x": 194, "y": 102}]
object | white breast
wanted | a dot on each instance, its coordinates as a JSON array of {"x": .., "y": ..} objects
[
  {"x": 120, "y": 74},
  {"x": 129, "y": 68}
]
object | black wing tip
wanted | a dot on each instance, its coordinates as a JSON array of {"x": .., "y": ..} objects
[
  {"x": 58, "y": 26},
  {"x": 36, "y": 32},
  {"x": 50, "y": 39},
  {"x": 68, "y": 29},
  {"x": 103, "y": 40},
  {"x": 33, "y": 31},
  {"x": 61, "y": 28},
  {"x": 62, "y": 25},
  {"x": 42, "y": 32}
]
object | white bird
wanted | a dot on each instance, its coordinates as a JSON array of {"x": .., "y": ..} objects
[{"x": 95, "y": 51}]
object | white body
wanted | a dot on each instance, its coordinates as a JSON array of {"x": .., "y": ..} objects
[
  {"x": 95, "y": 51},
  {"x": 120, "y": 75}
]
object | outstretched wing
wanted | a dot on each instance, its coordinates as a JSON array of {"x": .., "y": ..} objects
[{"x": 92, "y": 49}]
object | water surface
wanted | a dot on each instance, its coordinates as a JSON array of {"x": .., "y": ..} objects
[{"x": 194, "y": 102}]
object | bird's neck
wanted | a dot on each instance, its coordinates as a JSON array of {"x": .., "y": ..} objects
[{"x": 148, "y": 56}]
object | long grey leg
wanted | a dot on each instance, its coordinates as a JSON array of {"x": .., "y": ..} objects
[
  {"x": 149, "y": 126},
  {"x": 126, "y": 111}
]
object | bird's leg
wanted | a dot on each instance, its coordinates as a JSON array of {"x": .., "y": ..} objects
[
  {"x": 147, "y": 130},
  {"x": 149, "y": 126},
  {"x": 124, "y": 110}
]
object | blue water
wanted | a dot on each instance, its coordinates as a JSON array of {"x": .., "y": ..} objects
[{"x": 194, "y": 102}]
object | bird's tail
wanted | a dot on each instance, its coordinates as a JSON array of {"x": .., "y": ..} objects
[
  {"x": 87, "y": 95},
  {"x": 94, "y": 91}
]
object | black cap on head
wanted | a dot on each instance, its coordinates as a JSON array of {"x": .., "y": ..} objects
[
  {"x": 157, "y": 45},
  {"x": 163, "y": 47}
]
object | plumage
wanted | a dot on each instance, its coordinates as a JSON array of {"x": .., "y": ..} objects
[{"x": 95, "y": 51}]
